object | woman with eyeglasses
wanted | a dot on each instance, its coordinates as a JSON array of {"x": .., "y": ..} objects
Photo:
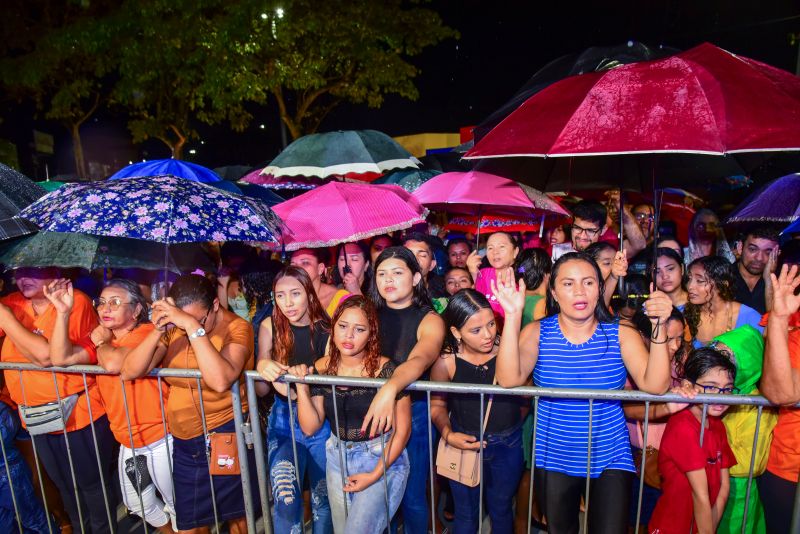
[
  {"x": 192, "y": 331},
  {"x": 135, "y": 415},
  {"x": 711, "y": 309},
  {"x": 695, "y": 476},
  {"x": 581, "y": 346}
]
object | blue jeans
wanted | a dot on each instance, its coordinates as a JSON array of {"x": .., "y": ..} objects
[
  {"x": 415, "y": 502},
  {"x": 366, "y": 509},
  {"x": 502, "y": 470},
  {"x": 287, "y": 512}
]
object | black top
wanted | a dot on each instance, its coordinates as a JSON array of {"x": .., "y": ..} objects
[
  {"x": 352, "y": 405},
  {"x": 307, "y": 348},
  {"x": 757, "y": 298},
  {"x": 465, "y": 408},
  {"x": 398, "y": 330}
]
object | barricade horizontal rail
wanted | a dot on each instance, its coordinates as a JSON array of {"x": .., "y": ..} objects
[{"x": 249, "y": 428}]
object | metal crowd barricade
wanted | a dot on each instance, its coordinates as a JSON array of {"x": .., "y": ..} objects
[{"x": 250, "y": 434}]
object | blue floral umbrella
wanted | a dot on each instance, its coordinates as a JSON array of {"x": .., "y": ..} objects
[
  {"x": 174, "y": 167},
  {"x": 165, "y": 209}
]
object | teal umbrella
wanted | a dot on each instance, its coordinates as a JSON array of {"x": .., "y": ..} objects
[
  {"x": 357, "y": 154},
  {"x": 70, "y": 250},
  {"x": 408, "y": 179},
  {"x": 50, "y": 185}
]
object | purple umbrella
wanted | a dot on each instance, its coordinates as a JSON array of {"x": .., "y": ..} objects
[{"x": 777, "y": 201}]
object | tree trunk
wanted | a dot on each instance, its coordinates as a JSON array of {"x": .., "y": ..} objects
[
  {"x": 177, "y": 149},
  {"x": 77, "y": 150}
]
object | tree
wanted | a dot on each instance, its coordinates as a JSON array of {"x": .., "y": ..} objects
[
  {"x": 63, "y": 70},
  {"x": 167, "y": 49},
  {"x": 311, "y": 55}
]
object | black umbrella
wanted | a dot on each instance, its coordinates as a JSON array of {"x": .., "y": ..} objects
[
  {"x": 445, "y": 162},
  {"x": 596, "y": 58},
  {"x": 233, "y": 172},
  {"x": 17, "y": 191}
]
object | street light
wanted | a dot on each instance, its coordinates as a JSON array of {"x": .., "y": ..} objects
[{"x": 279, "y": 12}]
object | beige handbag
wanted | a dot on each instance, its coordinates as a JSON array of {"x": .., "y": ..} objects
[{"x": 458, "y": 464}]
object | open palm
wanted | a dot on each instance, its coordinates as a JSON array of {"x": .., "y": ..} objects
[
  {"x": 784, "y": 300},
  {"x": 510, "y": 297},
  {"x": 60, "y": 294}
]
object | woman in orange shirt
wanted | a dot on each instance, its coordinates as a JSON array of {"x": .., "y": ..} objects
[
  {"x": 122, "y": 310},
  {"x": 199, "y": 334}
]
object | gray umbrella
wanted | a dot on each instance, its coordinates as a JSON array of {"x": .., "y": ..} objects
[{"x": 16, "y": 191}]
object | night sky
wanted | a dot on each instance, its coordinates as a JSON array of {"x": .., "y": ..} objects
[{"x": 502, "y": 44}]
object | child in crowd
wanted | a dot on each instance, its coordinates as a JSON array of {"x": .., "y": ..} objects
[{"x": 694, "y": 461}]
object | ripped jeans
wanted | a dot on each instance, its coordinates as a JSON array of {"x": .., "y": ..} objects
[{"x": 287, "y": 512}]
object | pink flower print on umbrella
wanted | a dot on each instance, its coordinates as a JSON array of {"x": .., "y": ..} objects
[
  {"x": 183, "y": 209},
  {"x": 94, "y": 199},
  {"x": 159, "y": 234},
  {"x": 140, "y": 211},
  {"x": 161, "y": 206},
  {"x": 88, "y": 225},
  {"x": 194, "y": 218},
  {"x": 117, "y": 230},
  {"x": 181, "y": 224},
  {"x": 217, "y": 236}
]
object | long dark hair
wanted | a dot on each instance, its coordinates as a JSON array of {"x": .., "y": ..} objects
[
  {"x": 135, "y": 295},
  {"x": 372, "y": 357},
  {"x": 601, "y": 313},
  {"x": 719, "y": 272},
  {"x": 463, "y": 305},
  {"x": 282, "y": 335},
  {"x": 421, "y": 297},
  {"x": 532, "y": 265},
  {"x": 701, "y": 361}
]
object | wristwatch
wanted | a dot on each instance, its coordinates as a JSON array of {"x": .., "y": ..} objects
[{"x": 200, "y": 332}]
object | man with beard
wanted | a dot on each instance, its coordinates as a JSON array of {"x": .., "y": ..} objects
[{"x": 757, "y": 254}]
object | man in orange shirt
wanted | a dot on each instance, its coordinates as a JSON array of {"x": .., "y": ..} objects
[
  {"x": 780, "y": 383},
  {"x": 27, "y": 320}
]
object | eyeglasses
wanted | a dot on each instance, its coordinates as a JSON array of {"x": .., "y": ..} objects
[
  {"x": 203, "y": 320},
  {"x": 644, "y": 216},
  {"x": 114, "y": 303},
  {"x": 717, "y": 389},
  {"x": 588, "y": 231}
]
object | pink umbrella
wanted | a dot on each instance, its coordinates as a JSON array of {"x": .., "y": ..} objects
[
  {"x": 284, "y": 182},
  {"x": 340, "y": 212},
  {"x": 475, "y": 192}
]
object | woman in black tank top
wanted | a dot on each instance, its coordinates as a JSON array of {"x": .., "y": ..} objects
[
  {"x": 297, "y": 333},
  {"x": 470, "y": 356}
]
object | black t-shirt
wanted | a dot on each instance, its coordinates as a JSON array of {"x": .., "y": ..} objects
[
  {"x": 756, "y": 299},
  {"x": 352, "y": 405},
  {"x": 465, "y": 408}
]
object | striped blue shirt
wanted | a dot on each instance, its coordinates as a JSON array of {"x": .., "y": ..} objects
[{"x": 562, "y": 424}]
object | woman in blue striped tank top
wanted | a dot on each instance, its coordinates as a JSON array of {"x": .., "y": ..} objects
[{"x": 579, "y": 345}]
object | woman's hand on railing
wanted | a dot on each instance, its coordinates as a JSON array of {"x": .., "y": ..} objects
[
  {"x": 686, "y": 391},
  {"x": 271, "y": 370},
  {"x": 60, "y": 294}
]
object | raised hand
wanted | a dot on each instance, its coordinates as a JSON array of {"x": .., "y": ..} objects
[
  {"x": 772, "y": 262},
  {"x": 785, "y": 300},
  {"x": 510, "y": 297},
  {"x": 658, "y": 306},
  {"x": 350, "y": 283},
  {"x": 474, "y": 263},
  {"x": 60, "y": 294}
]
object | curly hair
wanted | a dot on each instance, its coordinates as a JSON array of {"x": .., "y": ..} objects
[
  {"x": 283, "y": 344},
  {"x": 719, "y": 272},
  {"x": 372, "y": 350}
]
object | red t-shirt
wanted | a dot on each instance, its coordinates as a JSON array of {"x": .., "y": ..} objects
[{"x": 680, "y": 453}]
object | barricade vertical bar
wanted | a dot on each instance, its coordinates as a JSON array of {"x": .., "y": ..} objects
[
  {"x": 588, "y": 470},
  {"x": 750, "y": 471},
  {"x": 342, "y": 462},
  {"x": 11, "y": 486},
  {"x": 702, "y": 435},
  {"x": 69, "y": 457},
  {"x": 133, "y": 455},
  {"x": 258, "y": 449},
  {"x": 644, "y": 463},
  {"x": 385, "y": 482},
  {"x": 208, "y": 455},
  {"x": 166, "y": 434},
  {"x": 533, "y": 460},
  {"x": 432, "y": 451},
  {"x": 480, "y": 468},
  {"x": 244, "y": 461},
  {"x": 97, "y": 453},
  {"x": 297, "y": 478},
  {"x": 36, "y": 460}
]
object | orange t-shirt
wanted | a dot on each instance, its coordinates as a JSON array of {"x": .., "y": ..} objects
[
  {"x": 38, "y": 385},
  {"x": 183, "y": 406},
  {"x": 144, "y": 408},
  {"x": 784, "y": 454}
]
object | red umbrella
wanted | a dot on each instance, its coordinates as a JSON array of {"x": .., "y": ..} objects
[{"x": 699, "y": 103}]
